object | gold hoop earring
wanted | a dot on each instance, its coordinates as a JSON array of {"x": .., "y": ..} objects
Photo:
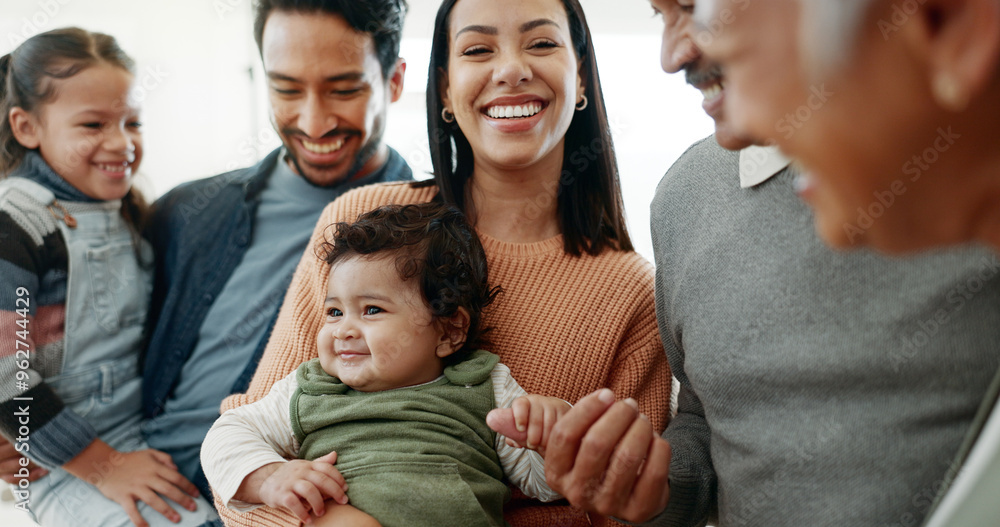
[
  {"x": 582, "y": 105},
  {"x": 447, "y": 116}
]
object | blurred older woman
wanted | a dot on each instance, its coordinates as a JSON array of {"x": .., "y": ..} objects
[{"x": 888, "y": 104}]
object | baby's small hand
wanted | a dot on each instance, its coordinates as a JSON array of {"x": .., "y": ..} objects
[
  {"x": 529, "y": 421},
  {"x": 302, "y": 486}
]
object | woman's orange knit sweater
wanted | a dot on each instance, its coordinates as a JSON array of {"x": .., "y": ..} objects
[{"x": 565, "y": 325}]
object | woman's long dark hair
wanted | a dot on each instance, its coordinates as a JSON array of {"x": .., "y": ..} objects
[
  {"x": 591, "y": 210},
  {"x": 27, "y": 78}
]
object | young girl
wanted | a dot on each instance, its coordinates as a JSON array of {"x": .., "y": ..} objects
[
  {"x": 399, "y": 395},
  {"x": 74, "y": 288}
]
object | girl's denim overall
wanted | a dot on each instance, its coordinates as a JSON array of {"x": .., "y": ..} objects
[{"x": 107, "y": 299}]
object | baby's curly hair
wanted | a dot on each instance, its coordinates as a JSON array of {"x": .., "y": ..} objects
[{"x": 434, "y": 243}]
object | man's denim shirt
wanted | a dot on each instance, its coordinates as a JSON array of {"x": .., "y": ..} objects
[{"x": 200, "y": 231}]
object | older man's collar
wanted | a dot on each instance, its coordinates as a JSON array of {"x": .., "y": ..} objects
[{"x": 759, "y": 164}]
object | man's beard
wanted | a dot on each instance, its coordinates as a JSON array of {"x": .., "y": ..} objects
[{"x": 367, "y": 151}]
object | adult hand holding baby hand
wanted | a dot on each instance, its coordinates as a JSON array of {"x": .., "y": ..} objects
[
  {"x": 529, "y": 421},
  {"x": 606, "y": 458}
]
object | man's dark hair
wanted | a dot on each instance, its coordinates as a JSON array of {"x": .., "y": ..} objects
[
  {"x": 433, "y": 243},
  {"x": 382, "y": 19}
]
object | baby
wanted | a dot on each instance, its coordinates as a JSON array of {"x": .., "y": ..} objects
[{"x": 399, "y": 395}]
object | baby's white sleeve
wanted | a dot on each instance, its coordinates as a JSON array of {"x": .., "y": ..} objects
[
  {"x": 524, "y": 468},
  {"x": 247, "y": 438}
]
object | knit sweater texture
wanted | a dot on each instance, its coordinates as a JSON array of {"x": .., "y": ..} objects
[
  {"x": 565, "y": 325},
  {"x": 818, "y": 388}
]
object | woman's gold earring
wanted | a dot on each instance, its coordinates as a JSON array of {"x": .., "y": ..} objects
[
  {"x": 447, "y": 116},
  {"x": 948, "y": 93},
  {"x": 582, "y": 105}
]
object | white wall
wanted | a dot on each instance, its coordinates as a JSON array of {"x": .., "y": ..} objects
[{"x": 205, "y": 109}]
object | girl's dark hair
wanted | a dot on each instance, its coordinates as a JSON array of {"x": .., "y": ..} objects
[
  {"x": 591, "y": 210},
  {"x": 27, "y": 78},
  {"x": 434, "y": 244}
]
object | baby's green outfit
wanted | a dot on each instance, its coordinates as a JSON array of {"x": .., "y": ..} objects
[{"x": 420, "y": 455}]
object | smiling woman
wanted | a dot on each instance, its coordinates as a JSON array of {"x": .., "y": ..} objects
[
  {"x": 488, "y": 84},
  {"x": 542, "y": 59}
]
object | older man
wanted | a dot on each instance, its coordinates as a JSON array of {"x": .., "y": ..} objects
[{"x": 802, "y": 371}]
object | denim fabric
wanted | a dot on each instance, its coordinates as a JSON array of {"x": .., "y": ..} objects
[
  {"x": 60, "y": 499},
  {"x": 107, "y": 300}
]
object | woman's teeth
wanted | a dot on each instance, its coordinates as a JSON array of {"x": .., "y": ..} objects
[
  {"x": 712, "y": 91},
  {"x": 514, "y": 112},
  {"x": 323, "y": 148}
]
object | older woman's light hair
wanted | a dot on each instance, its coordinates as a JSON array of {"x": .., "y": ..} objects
[{"x": 829, "y": 32}]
